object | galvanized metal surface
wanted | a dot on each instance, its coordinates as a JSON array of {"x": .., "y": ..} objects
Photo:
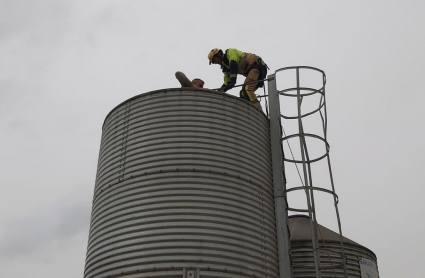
[
  {"x": 299, "y": 92},
  {"x": 331, "y": 254},
  {"x": 184, "y": 181},
  {"x": 279, "y": 182}
]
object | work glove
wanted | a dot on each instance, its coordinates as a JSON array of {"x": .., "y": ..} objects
[
  {"x": 223, "y": 88},
  {"x": 230, "y": 85}
]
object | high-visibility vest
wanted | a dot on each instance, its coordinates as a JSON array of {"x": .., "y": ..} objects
[{"x": 237, "y": 62}]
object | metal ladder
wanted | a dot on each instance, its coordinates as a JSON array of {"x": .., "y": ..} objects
[{"x": 281, "y": 191}]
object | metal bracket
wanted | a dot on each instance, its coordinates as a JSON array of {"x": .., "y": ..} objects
[{"x": 191, "y": 273}]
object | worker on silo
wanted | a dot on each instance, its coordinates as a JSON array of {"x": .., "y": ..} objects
[
  {"x": 234, "y": 62},
  {"x": 185, "y": 82}
]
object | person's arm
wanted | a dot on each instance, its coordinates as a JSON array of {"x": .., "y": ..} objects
[
  {"x": 184, "y": 81},
  {"x": 226, "y": 81},
  {"x": 230, "y": 77}
]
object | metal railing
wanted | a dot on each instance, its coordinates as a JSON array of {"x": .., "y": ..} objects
[{"x": 305, "y": 160}]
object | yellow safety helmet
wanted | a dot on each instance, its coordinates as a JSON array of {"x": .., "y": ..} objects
[{"x": 212, "y": 53}]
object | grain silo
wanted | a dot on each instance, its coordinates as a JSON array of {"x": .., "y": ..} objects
[
  {"x": 331, "y": 259},
  {"x": 188, "y": 185},
  {"x": 184, "y": 187}
]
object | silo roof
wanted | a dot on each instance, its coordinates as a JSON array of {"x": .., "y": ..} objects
[
  {"x": 300, "y": 236},
  {"x": 299, "y": 227}
]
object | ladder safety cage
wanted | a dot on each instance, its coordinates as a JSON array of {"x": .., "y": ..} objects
[{"x": 278, "y": 137}]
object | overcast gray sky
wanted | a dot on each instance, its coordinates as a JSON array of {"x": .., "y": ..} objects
[{"x": 66, "y": 64}]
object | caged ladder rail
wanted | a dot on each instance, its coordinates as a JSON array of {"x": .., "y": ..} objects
[{"x": 287, "y": 264}]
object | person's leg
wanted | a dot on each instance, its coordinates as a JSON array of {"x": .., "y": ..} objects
[
  {"x": 184, "y": 81},
  {"x": 251, "y": 88}
]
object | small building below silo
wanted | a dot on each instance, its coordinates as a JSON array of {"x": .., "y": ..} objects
[{"x": 360, "y": 261}]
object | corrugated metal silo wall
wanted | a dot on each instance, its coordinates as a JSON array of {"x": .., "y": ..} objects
[
  {"x": 184, "y": 181},
  {"x": 330, "y": 260}
]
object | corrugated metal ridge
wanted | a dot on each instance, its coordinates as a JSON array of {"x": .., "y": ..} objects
[{"x": 174, "y": 90}]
